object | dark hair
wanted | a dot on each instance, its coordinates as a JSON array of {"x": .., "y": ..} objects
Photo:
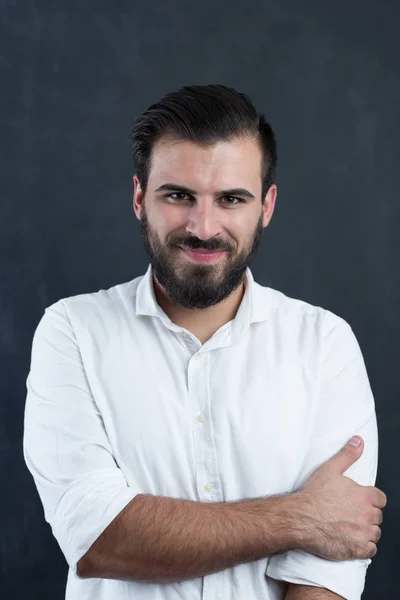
[{"x": 205, "y": 114}]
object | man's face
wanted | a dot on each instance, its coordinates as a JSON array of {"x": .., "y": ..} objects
[{"x": 204, "y": 218}]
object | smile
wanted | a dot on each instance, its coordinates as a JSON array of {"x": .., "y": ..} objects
[{"x": 203, "y": 255}]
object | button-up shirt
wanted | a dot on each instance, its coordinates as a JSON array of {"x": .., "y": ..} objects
[{"x": 122, "y": 401}]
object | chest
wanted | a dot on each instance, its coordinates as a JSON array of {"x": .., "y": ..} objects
[{"x": 242, "y": 416}]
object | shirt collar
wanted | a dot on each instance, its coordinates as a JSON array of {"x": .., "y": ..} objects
[{"x": 254, "y": 307}]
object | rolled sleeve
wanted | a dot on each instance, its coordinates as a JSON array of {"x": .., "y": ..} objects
[
  {"x": 345, "y": 408},
  {"x": 65, "y": 445}
]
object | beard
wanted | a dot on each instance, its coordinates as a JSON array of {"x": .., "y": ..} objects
[{"x": 196, "y": 285}]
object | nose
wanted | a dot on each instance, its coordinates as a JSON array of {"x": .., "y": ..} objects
[{"x": 203, "y": 221}]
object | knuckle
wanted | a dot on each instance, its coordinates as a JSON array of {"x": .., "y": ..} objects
[
  {"x": 378, "y": 533},
  {"x": 380, "y": 497},
  {"x": 373, "y": 551},
  {"x": 370, "y": 514},
  {"x": 347, "y": 451}
]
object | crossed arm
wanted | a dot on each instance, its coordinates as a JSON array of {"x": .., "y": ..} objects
[
  {"x": 350, "y": 386},
  {"x": 308, "y": 592}
]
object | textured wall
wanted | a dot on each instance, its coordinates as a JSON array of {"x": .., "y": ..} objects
[{"x": 74, "y": 75}]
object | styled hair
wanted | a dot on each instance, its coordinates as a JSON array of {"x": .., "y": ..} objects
[{"x": 205, "y": 114}]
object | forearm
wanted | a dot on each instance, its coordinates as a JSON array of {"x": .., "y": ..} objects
[
  {"x": 163, "y": 540},
  {"x": 309, "y": 592}
]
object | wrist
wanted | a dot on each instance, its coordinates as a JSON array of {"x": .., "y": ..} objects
[{"x": 293, "y": 528}]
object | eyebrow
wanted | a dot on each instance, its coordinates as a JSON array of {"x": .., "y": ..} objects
[{"x": 172, "y": 187}]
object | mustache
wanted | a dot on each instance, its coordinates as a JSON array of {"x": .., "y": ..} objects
[{"x": 200, "y": 245}]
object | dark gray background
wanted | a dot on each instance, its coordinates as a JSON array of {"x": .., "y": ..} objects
[{"x": 75, "y": 74}]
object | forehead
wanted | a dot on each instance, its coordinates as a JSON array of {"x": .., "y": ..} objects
[{"x": 236, "y": 163}]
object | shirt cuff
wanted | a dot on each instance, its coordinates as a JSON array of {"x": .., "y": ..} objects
[{"x": 345, "y": 578}]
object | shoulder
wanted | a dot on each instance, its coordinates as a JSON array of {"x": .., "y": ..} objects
[
  {"x": 95, "y": 310},
  {"x": 298, "y": 316}
]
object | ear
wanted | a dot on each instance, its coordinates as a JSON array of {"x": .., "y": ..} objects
[
  {"x": 269, "y": 204},
  {"x": 137, "y": 197}
]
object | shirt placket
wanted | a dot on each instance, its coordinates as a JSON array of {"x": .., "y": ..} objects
[{"x": 207, "y": 476}]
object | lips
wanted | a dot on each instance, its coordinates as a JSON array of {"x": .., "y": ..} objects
[
  {"x": 197, "y": 251},
  {"x": 205, "y": 256},
  {"x": 200, "y": 251}
]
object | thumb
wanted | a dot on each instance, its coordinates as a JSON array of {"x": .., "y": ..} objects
[{"x": 347, "y": 455}]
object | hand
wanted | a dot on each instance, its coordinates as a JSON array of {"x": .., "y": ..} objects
[{"x": 341, "y": 518}]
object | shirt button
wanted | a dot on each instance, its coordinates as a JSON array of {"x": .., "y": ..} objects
[
  {"x": 198, "y": 357},
  {"x": 201, "y": 418},
  {"x": 207, "y": 487}
]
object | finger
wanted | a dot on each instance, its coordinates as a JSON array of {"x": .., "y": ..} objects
[
  {"x": 344, "y": 458},
  {"x": 371, "y": 550},
  {"x": 376, "y": 535},
  {"x": 378, "y": 517},
  {"x": 381, "y": 499}
]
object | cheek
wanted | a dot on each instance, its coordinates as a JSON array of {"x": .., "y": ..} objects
[
  {"x": 168, "y": 225},
  {"x": 173, "y": 220},
  {"x": 245, "y": 231}
]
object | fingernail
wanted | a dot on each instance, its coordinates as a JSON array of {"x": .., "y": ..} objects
[{"x": 355, "y": 441}]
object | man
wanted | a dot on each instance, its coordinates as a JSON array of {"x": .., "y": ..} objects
[{"x": 188, "y": 430}]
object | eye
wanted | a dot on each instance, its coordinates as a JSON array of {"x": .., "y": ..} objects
[
  {"x": 183, "y": 196},
  {"x": 176, "y": 194},
  {"x": 233, "y": 198}
]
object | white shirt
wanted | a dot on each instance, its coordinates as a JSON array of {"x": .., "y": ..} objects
[{"x": 122, "y": 401}]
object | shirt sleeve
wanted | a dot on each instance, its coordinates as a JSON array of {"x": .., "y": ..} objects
[
  {"x": 65, "y": 445},
  {"x": 345, "y": 407}
]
